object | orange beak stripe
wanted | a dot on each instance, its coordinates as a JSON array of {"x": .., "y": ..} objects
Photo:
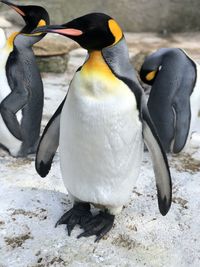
[
  {"x": 19, "y": 11},
  {"x": 72, "y": 32}
]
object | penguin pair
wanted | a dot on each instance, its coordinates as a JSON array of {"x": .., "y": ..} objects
[
  {"x": 174, "y": 100},
  {"x": 100, "y": 128},
  {"x": 21, "y": 92}
]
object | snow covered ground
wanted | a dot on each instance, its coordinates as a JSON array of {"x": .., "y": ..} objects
[{"x": 30, "y": 207}]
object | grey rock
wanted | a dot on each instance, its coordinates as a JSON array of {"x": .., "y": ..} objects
[
  {"x": 55, "y": 64},
  {"x": 52, "y": 54}
]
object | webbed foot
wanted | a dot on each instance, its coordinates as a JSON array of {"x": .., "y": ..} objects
[
  {"x": 99, "y": 225},
  {"x": 79, "y": 214}
]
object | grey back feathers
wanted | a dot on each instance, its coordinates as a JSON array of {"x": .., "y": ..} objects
[
  {"x": 117, "y": 57},
  {"x": 169, "y": 100},
  {"x": 27, "y": 94}
]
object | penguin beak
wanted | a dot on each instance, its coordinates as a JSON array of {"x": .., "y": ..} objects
[
  {"x": 60, "y": 29},
  {"x": 15, "y": 7}
]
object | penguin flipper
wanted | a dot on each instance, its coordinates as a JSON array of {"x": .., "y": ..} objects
[
  {"x": 182, "y": 126},
  {"x": 160, "y": 162},
  {"x": 8, "y": 109},
  {"x": 48, "y": 144}
]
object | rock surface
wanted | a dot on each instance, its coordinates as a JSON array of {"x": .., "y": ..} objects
[{"x": 52, "y": 54}]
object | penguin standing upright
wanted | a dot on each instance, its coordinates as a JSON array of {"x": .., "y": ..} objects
[
  {"x": 21, "y": 88},
  {"x": 99, "y": 128},
  {"x": 174, "y": 100}
]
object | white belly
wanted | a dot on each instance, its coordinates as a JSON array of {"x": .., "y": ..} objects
[
  {"x": 195, "y": 102},
  {"x": 101, "y": 144},
  {"x": 6, "y": 138},
  {"x": 195, "y": 109}
]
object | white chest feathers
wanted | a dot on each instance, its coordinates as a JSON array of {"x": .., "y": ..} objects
[
  {"x": 4, "y": 87},
  {"x": 195, "y": 101},
  {"x": 101, "y": 142}
]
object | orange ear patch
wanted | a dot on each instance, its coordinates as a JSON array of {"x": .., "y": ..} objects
[
  {"x": 115, "y": 30},
  {"x": 151, "y": 75},
  {"x": 11, "y": 38},
  {"x": 41, "y": 23}
]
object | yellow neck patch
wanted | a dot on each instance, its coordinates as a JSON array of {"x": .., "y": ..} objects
[
  {"x": 41, "y": 23},
  {"x": 97, "y": 65},
  {"x": 115, "y": 30},
  {"x": 10, "y": 40},
  {"x": 98, "y": 76},
  {"x": 151, "y": 75}
]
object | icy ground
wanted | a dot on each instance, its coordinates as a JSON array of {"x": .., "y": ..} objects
[{"x": 30, "y": 207}]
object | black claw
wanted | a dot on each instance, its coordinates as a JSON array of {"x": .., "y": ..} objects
[
  {"x": 64, "y": 218},
  {"x": 72, "y": 222},
  {"x": 103, "y": 232},
  {"x": 77, "y": 215},
  {"x": 99, "y": 225},
  {"x": 84, "y": 234}
]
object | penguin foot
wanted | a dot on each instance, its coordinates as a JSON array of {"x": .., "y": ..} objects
[
  {"x": 99, "y": 225},
  {"x": 79, "y": 214}
]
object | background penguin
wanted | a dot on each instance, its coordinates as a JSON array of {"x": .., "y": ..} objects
[
  {"x": 100, "y": 128},
  {"x": 174, "y": 100},
  {"x": 21, "y": 85}
]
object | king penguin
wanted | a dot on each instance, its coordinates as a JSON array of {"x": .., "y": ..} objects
[
  {"x": 174, "y": 100},
  {"x": 21, "y": 93},
  {"x": 100, "y": 128}
]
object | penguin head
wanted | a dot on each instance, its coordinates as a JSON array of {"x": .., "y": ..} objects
[
  {"x": 34, "y": 16},
  {"x": 93, "y": 31},
  {"x": 154, "y": 63},
  {"x": 161, "y": 59},
  {"x": 150, "y": 68}
]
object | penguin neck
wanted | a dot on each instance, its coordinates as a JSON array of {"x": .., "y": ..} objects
[
  {"x": 95, "y": 64},
  {"x": 23, "y": 41},
  {"x": 97, "y": 78},
  {"x": 117, "y": 58}
]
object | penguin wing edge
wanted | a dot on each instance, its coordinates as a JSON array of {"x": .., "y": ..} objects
[
  {"x": 183, "y": 119},
  {"x": 160, "y": 163},
  {"x": 48, "y": 144},
  {"x": 9, "y": 107}
]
